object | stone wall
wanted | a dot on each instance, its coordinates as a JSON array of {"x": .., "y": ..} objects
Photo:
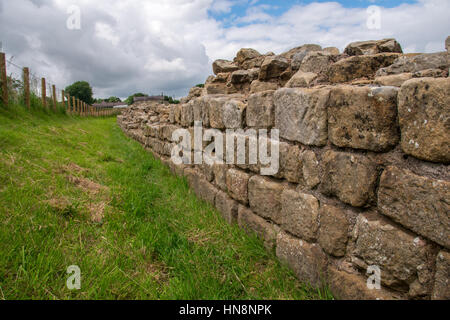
[{"x": 364, "y": 153}]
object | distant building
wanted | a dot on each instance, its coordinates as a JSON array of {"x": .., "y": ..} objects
[{"x": 108, "y": 105}]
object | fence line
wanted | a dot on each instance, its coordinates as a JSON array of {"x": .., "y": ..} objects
[{"x": 50, "y": 96}]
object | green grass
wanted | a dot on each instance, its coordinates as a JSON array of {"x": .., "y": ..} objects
[{"x": 155, "y": 239}]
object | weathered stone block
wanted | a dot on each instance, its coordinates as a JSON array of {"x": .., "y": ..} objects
[
  {"x": 261, "y": 110},
  {"x": 334, "y": 228},
  {"x": 216, "y": 88},
  {"x": 220, "y": 175},
  {"x": 363, "y": 117},
  {"x": 233, "y": 114},
  {"x": 291, "y": 163},
  {"x": 259, "y": 86},
  {"x": 301, "y": 80},
  {"x": 424, "y": 114},
  {"x": 307, "y": 260},
  {"x": 415, "y": 63},
  {"x": 252, "y": 223},
  {"x": 406, "y": 261},
  {"x": 346, "y": 286},
  {"x": 352, "y": 178},
  {"x": 395, "y": 80},
  {"x": 300, "y": 214},
  {"x": 265, "y": 197},
  {"x": 237, "y": 185},
  {"x": 167, "y": 131},
  {"x": 373, "y": 47},
  {"x": 273, "y": 67},
  {"x": 441, "y": 290},
  {"x": 187, "y": 115},
  {"x": 227, "y": 207},
  {"x": 316, "y": 62},
  {"x": 201, "y": 110},
  {"x": 418, "y": 203},
  {"x": 310, "y": 169},
  {"x": 359, "y": 66},
  {"x": 301, "y": 115},
  {"x": 222, "y": 66}
]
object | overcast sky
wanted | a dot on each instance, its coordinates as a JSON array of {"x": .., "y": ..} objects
[{"x": 154, "y": 46}]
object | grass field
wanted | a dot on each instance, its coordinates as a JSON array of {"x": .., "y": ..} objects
[{"x": 76, "y": 191}]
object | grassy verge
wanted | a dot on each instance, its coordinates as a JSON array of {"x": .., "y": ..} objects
[{"x": 76, "y": 191}]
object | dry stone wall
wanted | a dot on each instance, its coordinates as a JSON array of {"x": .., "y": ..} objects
[{"x": 363, "y": 177}]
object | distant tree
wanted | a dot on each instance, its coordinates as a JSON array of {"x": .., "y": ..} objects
[
  {"x": 200, "y": 85},
  {"x": 130, "y": 99},
  {"x": 113, "y": 99},
  {"x": 171, "y": 100},
  {"x": 81, "y": 90}
]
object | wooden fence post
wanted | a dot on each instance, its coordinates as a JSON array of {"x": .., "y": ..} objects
[
  {"x": 44, "y": 92},
  {"x": 3, "y": 78},
  {"x": 73, "y": 104},
  {"x": 26, "y": 86},
  {"x": 63, "y": 99},
  {"x": 54, "y": 97},
  {"x": 69, "y": 105}
]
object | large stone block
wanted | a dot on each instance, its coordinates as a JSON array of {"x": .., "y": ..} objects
[
  {"x": 419, "y": 203},
  {"x": 259, "y": 86},
  {"x": 220, "y": 175},
  {"x": 237, "y": 185},
  {"x": 222, "y": 66},
  {"x": 373, "y": 47},
  {"x": 355, "y": 67},
  {"x": 307, "y": 260},
  {"x": 261, "y": 110},
  {"x": 187, "y": 115},
  {"x": 405, "y": 260},
  {"x": 441, "y": 290},
  {"x": 227, "y": 207},
  {"x": 265, "y": 197},
  {"x": 224, "y": 113},
  {"x": 334, "y": 229},
  {"x": 301, "y": 115},
  {"x": 273, "y": 67},
  {"x": 310, "y": 169},
  {"x": 363, "y": 117},
  {"x": 350, "y": 177},
  {"x": 201, "y": 110},
  {"x": 316, "y": 62},
  {"x": 424, "y": 114},
  {"x": 300, "y": 214},
  {"x": 347, "y": 286},
  {"x": 416, "y": 63},
  {"x": 253, "y": 223},
  {"x": 301, "y": 79}
]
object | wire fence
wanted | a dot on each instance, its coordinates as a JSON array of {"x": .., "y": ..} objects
[{"x": 18, "y": 85}]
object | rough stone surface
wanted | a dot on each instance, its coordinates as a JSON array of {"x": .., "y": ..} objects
[
  {"x": 441, "y": 290},
  {"x": 265, "y": 197},
  {"x": 419, "y": 203},
  {"x": 299, "y": 50},
  {"x": 406, "y": 261},
  {"x": 363, "y": 117},
  {"x": 300, "y": 214},
  {"x": 415, "y": 63},
  {"x": 306, "y": 260},
  {"x": 291, "y": 163},
  {"x": 346, "y": 286},
  {"x": 359, "y": 67},
  {"x": 301, "y": 115},
  {"x": 333, "y": 233},
  {"x": 316, "y": 62},
  {"x": 350, "y": 177},
  {"x": 221, "y": 66},
  {"x": 227, "y": 207},
  {"x": 301, "y": 79},
  {"x": 220, "y": 175},
  {"x": 259, "y": 86},
  {"x": 201, "y": 110},
  {"x": 237, "y": 185},
  {"x": 310, "y": 169},
  {"x": 424, "y": 116},
  {"x": 447, "y": 44},
  {"x": 233, "y": 114},
  {"x": 395, "y": 80},
  {"x": 261, "y": 110},
  {"x": 331, "y": 50},
  {"x": 265, "y": 230},
  {"x": 245, "y": 55},
  {"x": 373, "y": 47},
  {"x": 273, "y": 67}
]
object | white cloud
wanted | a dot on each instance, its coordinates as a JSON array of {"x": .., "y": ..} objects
[{"x": 127, "y": 46}]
